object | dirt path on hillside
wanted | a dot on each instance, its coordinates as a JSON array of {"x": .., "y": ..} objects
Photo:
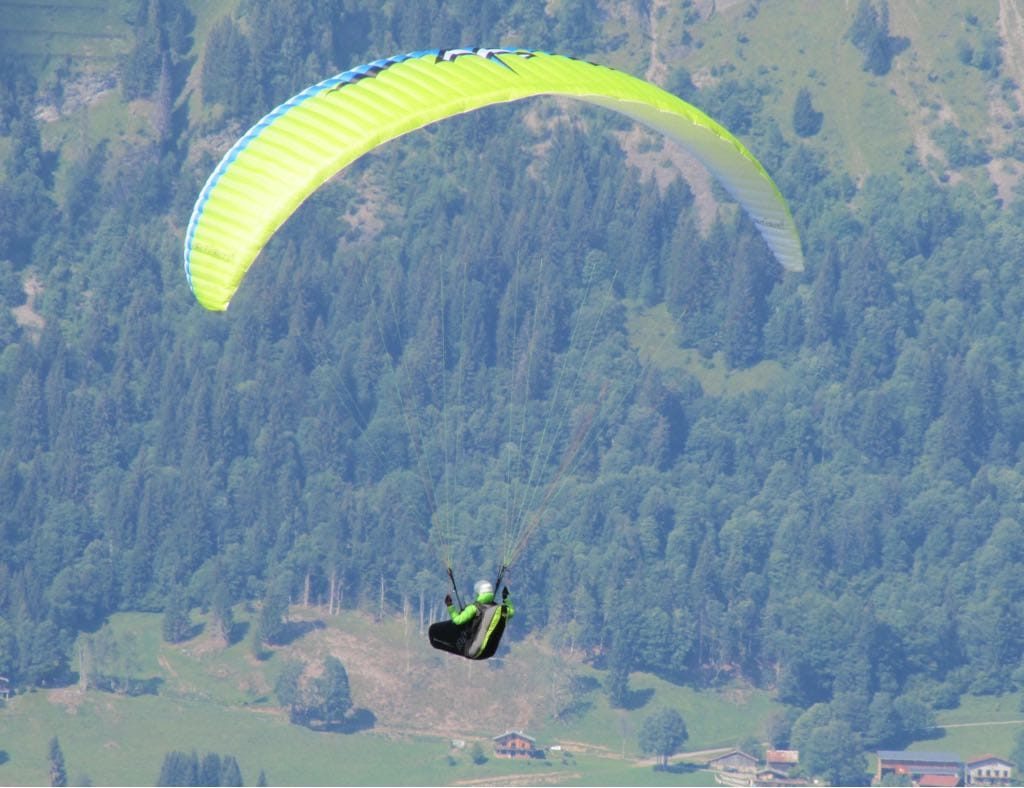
[
  {"x": 1006, "y": 173},
  {"x": 979, "y": 724},
  {"x": 1011, "y": 31},
  {"x": 26, "y": 315},
  {"x": 656, "y": 70}
]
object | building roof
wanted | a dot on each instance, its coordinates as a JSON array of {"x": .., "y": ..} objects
[
  {"x": 516, "y": 734},
  {"x": 918, "y": 756},
  {"x": 938, "y": 780},
  {"x": 782, "y": 756},
  {"x": 989, "y": 758},
  {"x": 732, "y": 754}
]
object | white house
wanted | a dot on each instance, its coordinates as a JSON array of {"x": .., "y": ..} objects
[{"x": 989, "y": 770}]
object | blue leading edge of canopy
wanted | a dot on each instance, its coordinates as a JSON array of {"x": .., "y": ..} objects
[
  {"x": 349, "y": 77},
  {"x": 346, "y": 77}
]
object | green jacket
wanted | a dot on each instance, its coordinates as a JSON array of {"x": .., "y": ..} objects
[{"x": 469, "y": 611}]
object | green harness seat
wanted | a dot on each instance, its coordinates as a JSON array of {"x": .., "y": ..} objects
[{"x": 478, "y": 638}]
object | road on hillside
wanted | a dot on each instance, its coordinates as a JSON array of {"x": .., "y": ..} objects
[{"x": 977, "y": 724}]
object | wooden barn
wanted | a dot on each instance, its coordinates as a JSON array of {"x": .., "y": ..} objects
[
  {"x": 734, "y": 761},
  {"x": 922, "y": 767}
]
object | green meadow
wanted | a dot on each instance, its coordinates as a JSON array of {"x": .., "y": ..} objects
[
  {"x": 211, "y": 698},
  {"x": 978, "y": 726}
]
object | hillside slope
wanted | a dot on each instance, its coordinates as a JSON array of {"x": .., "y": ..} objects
[
  {"x": 870, "y": 122},
  {"x": 961, "y": 68}
]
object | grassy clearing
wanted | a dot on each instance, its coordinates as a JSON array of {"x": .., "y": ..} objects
[
  {"x": 122, "y": 741},
  {"x": 869, "y": 122},
  {"x": 714, "y": 719},
  {"x": 86, "y": 30},
  {"x": 215, "y": 699},
  {"x": 90, "y": 36},
  {"x": 651, "y": 332},
  {"x": 90, "y": 30},
  {"x": 974, "y": 740},
  {"x": 985, "y": 708},
  {"x": 979, "y": 725}
]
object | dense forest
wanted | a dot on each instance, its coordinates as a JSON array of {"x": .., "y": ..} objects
[{"x": 845, "y": 528}]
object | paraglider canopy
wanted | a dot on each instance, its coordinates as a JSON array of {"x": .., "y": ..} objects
[{"x": 285, "y": 157}]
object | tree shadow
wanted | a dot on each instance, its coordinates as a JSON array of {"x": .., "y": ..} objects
[
  {"x": 238, "y": 632},
  {"x": 356, "y": 721},
  {"x": 359, "y": 720},
  {"x": 180, "y": 114},
  {"x": 574, "y": 711},
  {"x": 130, "y": 686},
  {"x": 677, "y": 768},
  {"x": 637, "y": 699},
  {"x": 898, "y": 44},
  {"x": 293, "y": 630},
  {"x": 938, "y": 732}
]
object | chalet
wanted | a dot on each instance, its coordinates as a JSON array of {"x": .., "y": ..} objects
[
  {"x": 989, "y": 770},
  {"x": 734, "y": 761},
  {"x": 515, "y": 744},
  {"x": 922, "y": 767},
  {"x": 782, "y": 761}
]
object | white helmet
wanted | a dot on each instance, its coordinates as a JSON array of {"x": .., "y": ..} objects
[{"x": 482, "y": 587}]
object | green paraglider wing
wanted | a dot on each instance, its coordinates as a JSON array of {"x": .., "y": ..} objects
[{"x": 285, "y": 157}]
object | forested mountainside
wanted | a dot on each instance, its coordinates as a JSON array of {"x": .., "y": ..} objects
[{"x": 527, "y": 319}]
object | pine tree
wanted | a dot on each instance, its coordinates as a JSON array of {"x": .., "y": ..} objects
[
  {"x": 177, "y": 626},
  {"x": 745, "y": 309},
  {"x": 272, "y": 625},
  {"x": 163, "y": 121},
  {"x": 58, "y": 771},
  {"x": 222, "y": 618},
  {"x": 617, "y": 681},
  {"x": 28, "y": 419},
  {"x": 227, "y": 68},
  {"x": 180, "y": 769},
  {"x": 962, "y": 426},
  {"x": 140, "y": 68},
  {"x": 806, "y": 119},
  {"x": 210, "y": 769},
  {"x": 869, "y": 32},
  {"x": 230, "y": 773}
]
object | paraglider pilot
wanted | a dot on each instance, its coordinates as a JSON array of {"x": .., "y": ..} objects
[{"x": 475, "y": 631}]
